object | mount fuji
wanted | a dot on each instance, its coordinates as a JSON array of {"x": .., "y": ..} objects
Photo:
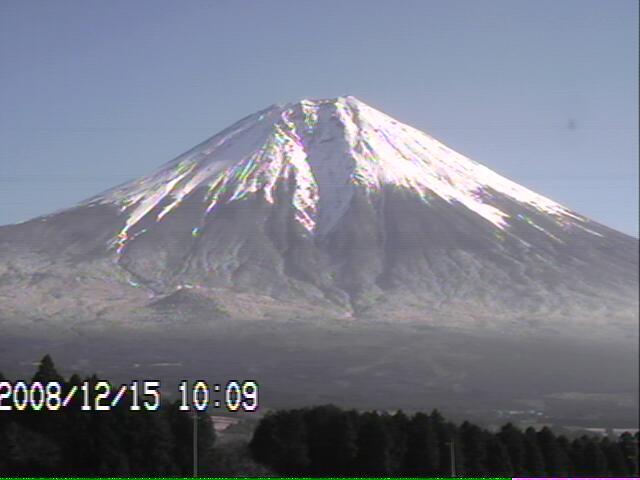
[
  {"x": 323, "y": 243},
  {"x": 323, "y": 208}
]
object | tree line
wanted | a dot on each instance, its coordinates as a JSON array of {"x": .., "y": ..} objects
[
  {"x": 317, "y": 441},
  {"x": 329, "y": 441}
]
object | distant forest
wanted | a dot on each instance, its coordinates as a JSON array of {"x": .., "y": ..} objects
[
  {"x": 317, "y": 441},
  {"x": 326, "y": 440}
]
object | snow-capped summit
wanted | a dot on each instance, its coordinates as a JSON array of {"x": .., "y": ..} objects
[{"x": 327, "y": 149}]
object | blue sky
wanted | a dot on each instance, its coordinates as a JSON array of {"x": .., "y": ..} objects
[{"x": 544, "y": 92}]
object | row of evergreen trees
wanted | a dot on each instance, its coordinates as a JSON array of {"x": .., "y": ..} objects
[
  {"x": 327, "y": 441},
  {"x": 319, "y": 441},
  {"x": 71, "y": 442}
]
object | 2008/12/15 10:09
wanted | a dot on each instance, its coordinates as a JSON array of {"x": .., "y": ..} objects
[{"x": 50, "y": 396}]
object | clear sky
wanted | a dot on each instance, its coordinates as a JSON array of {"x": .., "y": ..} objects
[{"x": 94, "y": 93}]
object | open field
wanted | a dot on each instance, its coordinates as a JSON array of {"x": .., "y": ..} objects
[{"x": 362, "y": 365}]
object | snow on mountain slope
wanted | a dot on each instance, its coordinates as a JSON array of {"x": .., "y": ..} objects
[
  {"x": 327, "y": 147},
  {"x": 324, "y": 208}
]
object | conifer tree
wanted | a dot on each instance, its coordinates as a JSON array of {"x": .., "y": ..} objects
[
  {"x": 373, "y": 446},
  {"x": 629, "y": 447},
  {"x": 329, "y": 432},
  {"x": 474, "y": 445},
  {"x": 264, "y": 443},
  {"x": 292, "y": 441},
  {"x": 565, "y": 446},
  {"x": 29, "y": 453},
  {"x": 534, "y": 463},
  {"x": 343, "y": 434},
  {"x": 576, "y": 456},
  {"x": 47, "y": 372},
  {"x": 555, "y": 459},
  {"x": 397, "y": 426},
  {"x": 280, "y": 442},
  {"x": 498, "y": 462},
  {"x": 596, "y": 462},
  {"x": 514, "y": 440},
  {"x": 50, "y": 423},
  {"x": 616, "y": 463},
  {"x": 159, "y": 443},
  {"x": 422, "y": 457},
  {"x": 181, "y": 431},
  {"x": 206, "y": 439},
  {"x": 108, "y": 457}
]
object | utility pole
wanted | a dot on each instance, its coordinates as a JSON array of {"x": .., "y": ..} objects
[{"x": 195, "y": 443}]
